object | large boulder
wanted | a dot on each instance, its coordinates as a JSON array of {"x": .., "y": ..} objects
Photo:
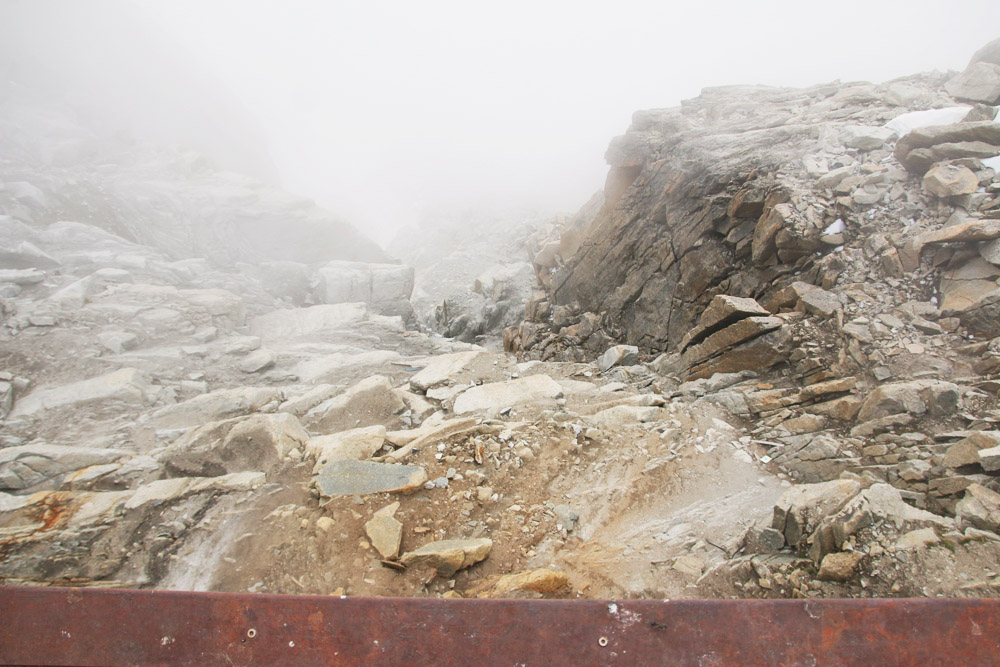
[
  {"x": 979, "y": 82},
  {"x": 214, "y": 406},
  {"x": 534, "y": 390},
  {"x": 385, "y": 287},
  {"x": 980, "y": 507},
  {"x": 128, "y": 385},
  {"x": 355, "y": 444},
  {"x": 257, "y": 442},
  {"x": 985, "y": 132},
  {"x": 443, "y": 369},
  {"x": 801, "y": 508},
  {"x": 933, "y": 397},
  {"x": 880, "y": 504},
  {"x": 371, "y": 401},
  {"x": 27, "y": 465}
]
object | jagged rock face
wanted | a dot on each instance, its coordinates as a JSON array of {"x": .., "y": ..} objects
[{"x": 743, "y": 191}]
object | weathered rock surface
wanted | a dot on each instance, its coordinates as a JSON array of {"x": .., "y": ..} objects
[
  {"x": 256, "y": 442},
  {"x": 351, "y": 478},
  {"x": 449, "y": 556},
  {"x": 980, "y": 507},
  {"x": 385, "y": 287},
  {"x": 801, "y": 508},
  {"x": 534, "y": 390},
  {"x": 385, "y": 532},
  {"x": 542, "y": 580},
  {"x": 28, "y": 465},
  {"x": 979, "y": 82},
  {"x": 619, "y": 355},
  {"x": 127, "y": 385},
  {"x": 813, "y": 314},
  {"x": 950, "y": 180},
  {"x": 442, "y": 369},
  {"x": 371, "y": 401},
  {"x": 933, "y": 397},
  {"x": 356, "y": 444}
]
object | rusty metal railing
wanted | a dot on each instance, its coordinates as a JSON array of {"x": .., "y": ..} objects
[{"x": 73, "y": 626}]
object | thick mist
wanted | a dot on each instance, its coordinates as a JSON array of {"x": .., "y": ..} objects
[{"x": 391, "y": 114}]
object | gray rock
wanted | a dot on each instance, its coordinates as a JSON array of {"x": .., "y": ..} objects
[
  {"x": 801, "y": 508},
  {"x": 257, "y": 442},
  {"x": 866, "y": 138},
  {"x": 914, "y": 470},
  {"x": 22, "y": 276},
  {"x": 259, "y": 360},
  {"x": 986, "y": 132},
  {"x": 990, "y": 251},
  {"x": 820, "y": 302},
  {"x": 934, "y": 397},
  {"x": 442, "y": 369},
  {"x": 127, "y": 385},
  {"x": 619, "y": 355},
  {"x": 566, "y": 516},
  {"x": 979, "y": 82},
  {"x": 715, "y": 383},
  {"x": 386, "y": 287},
  {"x": 6, "y": 398},
  {"x": 371, "y": 401},
  {"x": 214, "y": 406},
  {"x": 280, "y": 326},
  {"x": 965, "y": 452},
  {"x": 355, "y": 478},
  {"x": 990, "y": 459},
  {"x": 950, "y": 180},
  {"x": 980, "y": 507},
  {"x": 118, "y": 341},
  {"x": 535, "y": 390},
  {"x": 25, "y": 466},
  {"x": 168, "y": 490},
  {"x": 764, "y": 540},
  {"x": 353, "y": 445}
]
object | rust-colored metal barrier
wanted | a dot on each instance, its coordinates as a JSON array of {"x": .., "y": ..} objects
[{"x": 60, "y": 626}]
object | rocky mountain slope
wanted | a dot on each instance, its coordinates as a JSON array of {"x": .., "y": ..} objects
[
  {"x": 761, "y": 363},
  {"x": 472, "y": 275}
]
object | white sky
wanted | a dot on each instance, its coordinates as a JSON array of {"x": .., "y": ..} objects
[{"x": 384, "y": 112}]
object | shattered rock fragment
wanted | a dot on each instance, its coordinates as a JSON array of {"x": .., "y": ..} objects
[
  {"x": 385, "y": 532},
  {"x": 840, "y": 566},
  {"x": 449, "y": 556}
]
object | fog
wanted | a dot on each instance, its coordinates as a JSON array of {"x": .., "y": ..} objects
[{"x": 390, "y": 114}]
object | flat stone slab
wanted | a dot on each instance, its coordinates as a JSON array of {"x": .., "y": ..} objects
[
  {"x": 357, "y": 478},
  {"x": 441, "y": 369},
  {"x": 127, "y": 385},
  {"x": 385, "y": 532},
  {"x": 534, "y": 390},
  {"x": 743, "y": 330},
  {"x": 722, "y": 310}
]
